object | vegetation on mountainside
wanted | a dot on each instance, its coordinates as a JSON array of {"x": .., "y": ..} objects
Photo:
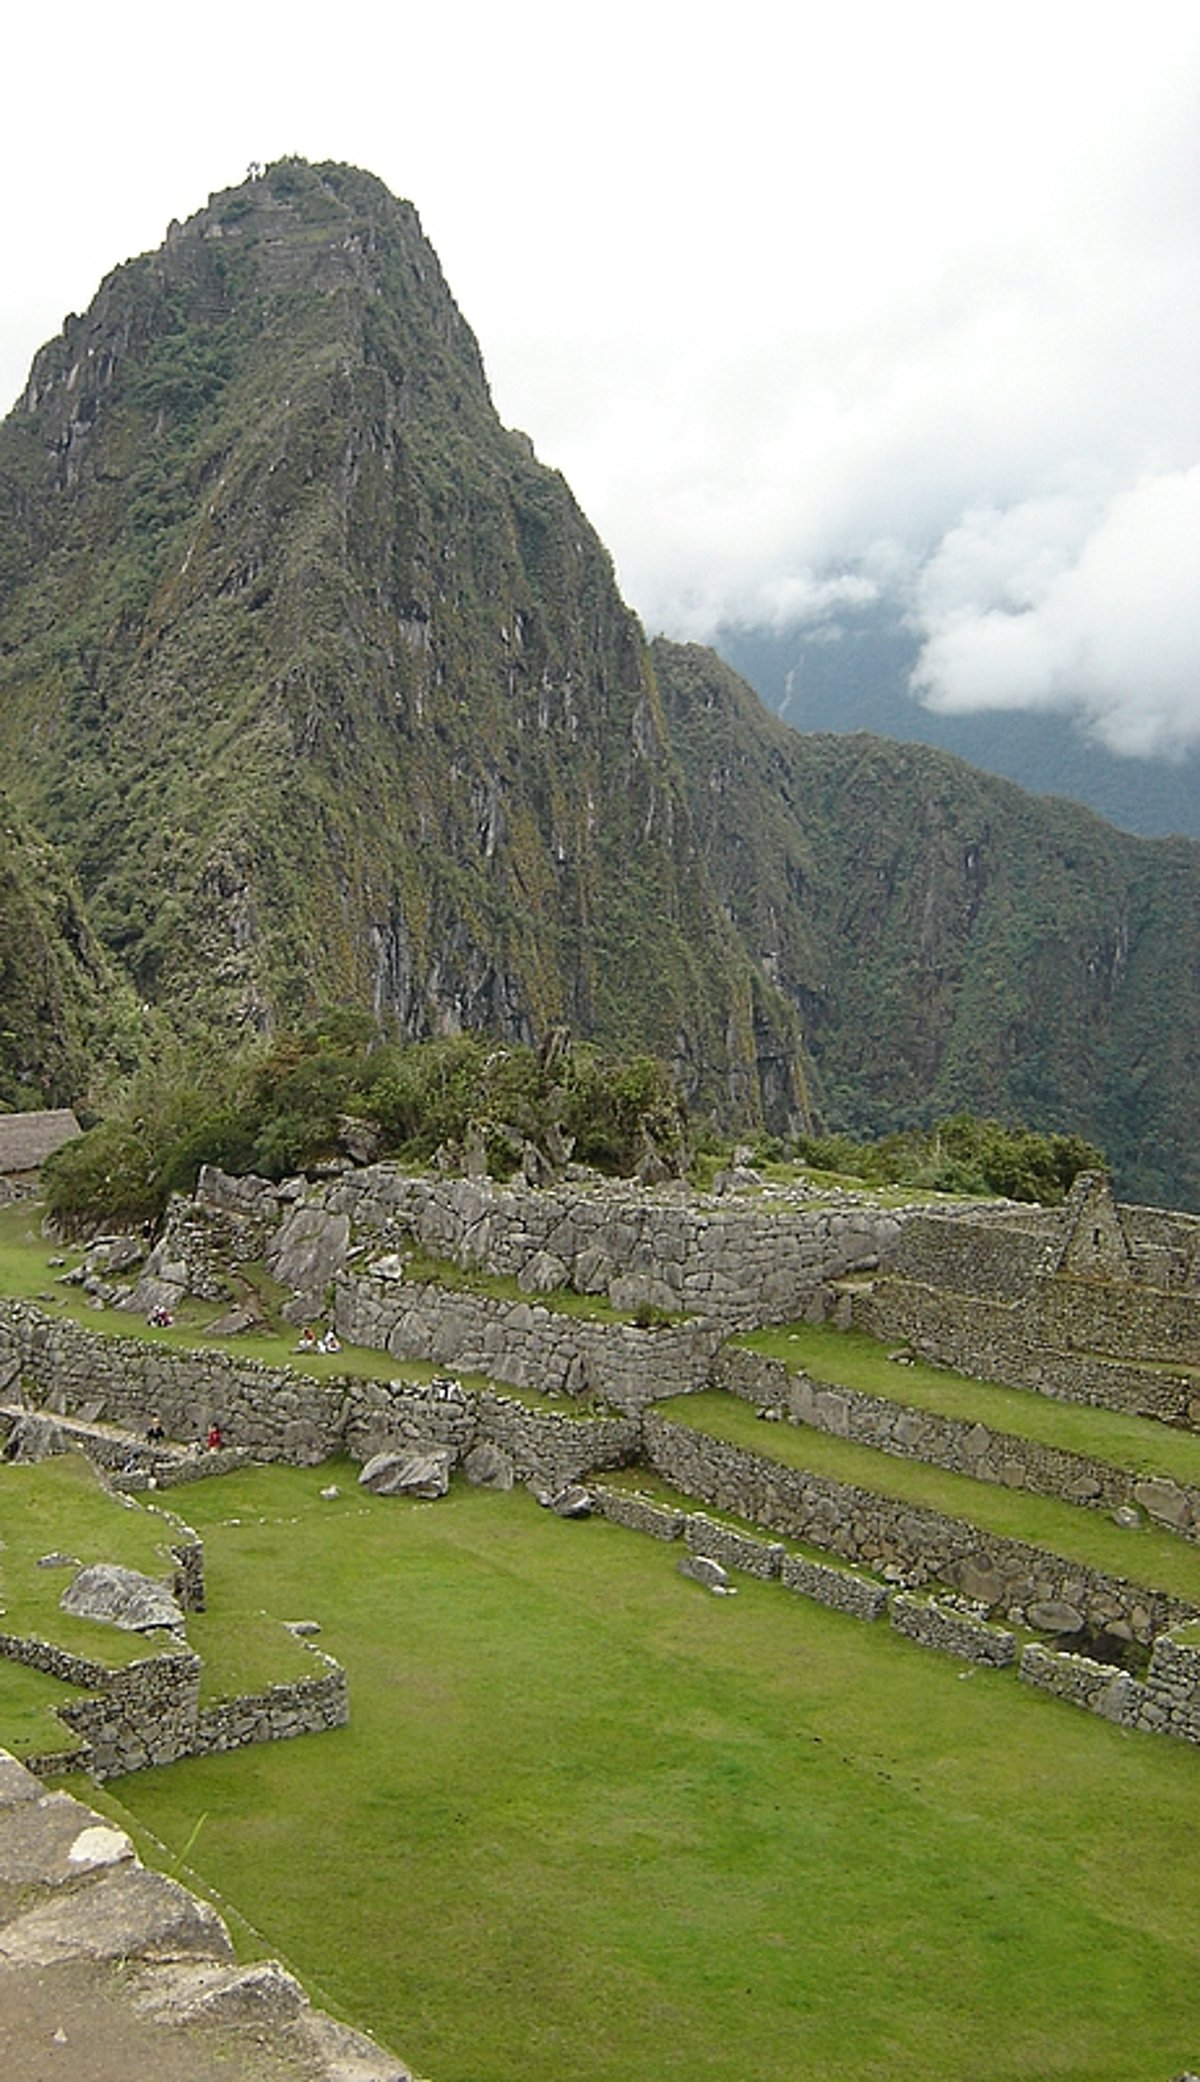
[
  {"x": 963, "y": 1155},
  {"x": 63, "y": 1013},
  {"x": 323, "y": 683},
  {"x": 951, "y": 944},
  {"x": 289, "y": 1104}
]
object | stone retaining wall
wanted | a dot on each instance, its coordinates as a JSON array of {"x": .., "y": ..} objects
[
  {"x": 1000, "y": 1341},
  {"x": 1167, "y": 1702},
  {"x": 841, "y": 1589},
  {"x": 938, "y": 1625},
  {"x": 275, "y": 1414},
  {"x": 733, "y": 1549},
  {"x": 638, "y": 1514},
  {"x": 526, "y": 1343},
  {"x": 668, "y": 1246},
  {"x": 149, "y": 1712},
  {"x": 963, "y": 1446},
  {"x": 1012, "y": 1579}
]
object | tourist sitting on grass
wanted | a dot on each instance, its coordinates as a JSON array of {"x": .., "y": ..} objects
[
  {"x": 331, "y": 1342},
  {"x": 307, "y": 1341}
]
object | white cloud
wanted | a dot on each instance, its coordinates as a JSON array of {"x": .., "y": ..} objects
[
  {"x": 1089, "y": 607},
  {"x": 792, "y": 299}
]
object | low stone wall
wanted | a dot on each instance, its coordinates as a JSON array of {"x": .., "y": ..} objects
[
  {"x": 962, "y": 1446},
  {"x": 149, "y": 1712},
  {"x": 938, "y": 1625},
  {"x": 1001, "y": 1341},
  {"x": 1014, "y": 1580},
  {"x": 638, "y": 1514},
  {"x": 841, "y": 1589},
  {"x": 1080, "y": 1681},
  {"x": 309, "y": 1706},
  {"x": 526, "y": 1343},
  {"x": 698, "y": 1256},
  {"x": 733, "y": 1549}
]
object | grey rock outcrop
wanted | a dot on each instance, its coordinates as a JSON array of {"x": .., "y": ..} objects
[
  {"x": 408, "y": 1474},
  {"x": 122, "y": 1598},
  {"x": 34, "y": 1438}
]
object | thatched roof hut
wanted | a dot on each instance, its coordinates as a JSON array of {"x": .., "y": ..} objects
[{"x": 27, "y": 1139}]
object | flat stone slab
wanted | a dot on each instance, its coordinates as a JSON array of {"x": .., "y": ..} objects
[
  {"x": 50, "y": 1841},
  {"x": 128, "y": 1914},
  {"x": 122, "y": 1598}
]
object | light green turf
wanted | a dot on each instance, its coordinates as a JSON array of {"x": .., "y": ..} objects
[
  {"x": 1145, "y": 1554},
  {"x": 588, "y": 1822},
  {"x": 850, "y": 1359}
]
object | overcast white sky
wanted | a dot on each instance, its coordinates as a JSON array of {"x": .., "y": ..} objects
[{"x": 805, "y": 302}]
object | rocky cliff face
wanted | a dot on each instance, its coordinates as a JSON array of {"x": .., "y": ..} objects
[
  {"x": 323, "y": 684},
  {"x": 949, "y": 942},
  {"x": 321, "y": 688}
]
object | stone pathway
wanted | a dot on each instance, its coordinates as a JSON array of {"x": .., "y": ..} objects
[{"x": 112, "y": 1973}]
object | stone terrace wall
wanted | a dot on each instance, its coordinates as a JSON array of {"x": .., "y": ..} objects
[
  {"x": 997, "y": 1253},
  {"x": 937, "y": 1625},
  {"x": 150, "y": 1712},
  {"x": 526, "y": 1343},
  {"x": 703, "y": 1257},
  {"x": 1167, "y": 1702},
  {"x": 279, "y": 1415},
  {"x": 548, "y": 1446},
  {"x": 1010, "y": 1578},
  {"x": 1000, "y": 1341},
  {"x": 959, "y": 1444}
]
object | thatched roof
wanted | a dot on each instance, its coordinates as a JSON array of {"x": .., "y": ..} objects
[{"x": 27, "y": 1139}]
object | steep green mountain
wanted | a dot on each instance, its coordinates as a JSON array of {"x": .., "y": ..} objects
[
  {"x": 948, "y": 941},
  {"x": 64, "y": 1012},
  {"x": 316, "y": 689},
  {"x": 323, "y": 684}
]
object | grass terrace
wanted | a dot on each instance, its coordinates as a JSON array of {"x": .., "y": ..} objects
[
  {"x": 61, "y": 1507},
  {"x": 1144, "y": 1554},
  {"x": 851, "y": 1359},
  {"x": 588, "y": 1821}
]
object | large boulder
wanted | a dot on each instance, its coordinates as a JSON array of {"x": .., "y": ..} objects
[
  {"x": 34, "y": 1437},
  {"x": 309, "y": 1251},
  {"x": 489, "y": 1467},
  {"x": 423, "y": 1474},
  {"x": 122, "y": 1598}
]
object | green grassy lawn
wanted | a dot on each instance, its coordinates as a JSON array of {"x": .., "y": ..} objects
[
  {"x": 588, "y": 1822},
  {"x": 1144, "y": 1554},
  {"x": 60, "y": 1507},
  {"x": 851, "y": 1359}
]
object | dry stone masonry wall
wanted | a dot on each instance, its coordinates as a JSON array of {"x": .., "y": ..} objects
[
  {"x": 666, "y": 1247},
  {"x": 1027, "y": 1585},
  {"x": 965, "y": 1447}
]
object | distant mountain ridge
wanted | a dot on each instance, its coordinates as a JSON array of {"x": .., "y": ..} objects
[
  {"x": 950, "y": 942},
  {"x": 851, "y": 671},
  {"x": 316, "y": 688}
]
